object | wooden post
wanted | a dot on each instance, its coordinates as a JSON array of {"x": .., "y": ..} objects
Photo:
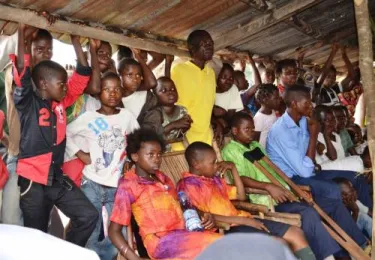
[
  {"x": 30, "y": 18},
  {"x": 366, "y": 66}
]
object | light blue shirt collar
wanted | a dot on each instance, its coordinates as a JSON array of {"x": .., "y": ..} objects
[{"x": 289, "y": 122}]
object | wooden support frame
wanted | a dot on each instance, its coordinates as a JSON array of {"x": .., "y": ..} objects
[
  {"x": 366, "y": 66},
  {"x": 31, "y": 18},
  {"x": 263, "y": 22}
]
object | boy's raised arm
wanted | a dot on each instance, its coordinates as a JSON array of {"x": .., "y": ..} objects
[
  {"x": 21, "y": 71},
  {"x": 345, "y": 83},
  {"x": 328, "y": 64},
  {"x": 81, "y": 59},
  {"x": 257, "y": 78},
  {"x": 9, "y": 44},
  {"x": 157, "y": 58},
  {"x": 149, "y": 80},
  {"x": 80, "y": 78},
  {"x": 93, "y": 88},
  {"x": 22, "y": 50},
  {"x": 168, "y": 65}
]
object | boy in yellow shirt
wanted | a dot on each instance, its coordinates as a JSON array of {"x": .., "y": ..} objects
[{"x": 196, "y": 85}]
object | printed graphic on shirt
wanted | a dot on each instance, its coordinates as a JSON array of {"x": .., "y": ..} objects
[
  {"x": 60, "y": 113},
  {"x": 44, "y": 116},
  {"x": 110, "y": 141},
  {"x": 99, "y": 125}
]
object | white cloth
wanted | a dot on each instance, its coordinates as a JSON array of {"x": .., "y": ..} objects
[
  {"x": 105, "y": 138},
  {"x": 349, "y": 163},
  {"x": 92, "y": 104},
  {"x": 362, "y": 208},
  {"x": 361, "y": 147},
  {"x": 263, "y": 124},
  {"x": 229, "y": 100},
  {"x": 8, "y": 45},
  {"x": 135, "y": 102},
  {"x": 18, "y": 242}
]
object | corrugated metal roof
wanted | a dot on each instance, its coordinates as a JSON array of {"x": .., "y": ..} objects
[{"x": 177, "y": 18}]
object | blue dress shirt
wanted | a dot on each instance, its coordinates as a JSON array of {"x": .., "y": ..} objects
[{"x": 287, "y": 145}]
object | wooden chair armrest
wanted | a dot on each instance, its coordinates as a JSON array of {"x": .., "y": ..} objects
[
  {"x": 256, "y": 191},
  {"x": 287, "y": 218},
  {"x": 246, "y": 206},
  {"x": 289, "y": 221},
  {"x": 283, "y": 215}
]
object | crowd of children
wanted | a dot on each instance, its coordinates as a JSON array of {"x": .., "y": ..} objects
[{"x": 91, "y": 145}]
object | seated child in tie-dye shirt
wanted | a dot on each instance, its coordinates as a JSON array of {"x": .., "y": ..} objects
[
  {"x": 151, "y": 197},
  {"x": 209, "y": 193}
]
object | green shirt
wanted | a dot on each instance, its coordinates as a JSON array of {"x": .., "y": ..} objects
[
  {"x": 346, "y": 141},
  {"x": 234, "y": 151}
]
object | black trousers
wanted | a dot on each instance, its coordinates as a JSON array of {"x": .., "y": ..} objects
[
  {"x": 276, "y": 228},
  {"x": 37, "y": 201}
]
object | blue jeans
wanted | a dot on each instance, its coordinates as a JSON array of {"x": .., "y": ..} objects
[
  {"x": 100, "y": 196},
  {"x": 11, "y": 212},
  {"x": 364, "y": 223}
]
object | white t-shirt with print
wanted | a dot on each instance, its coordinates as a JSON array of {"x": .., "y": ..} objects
[
  {"x": 230, "y": 99},
  {"x": 105, "y": 138},
  {"x": 263, "y": 124},
  {"x": 135, "y": 102}
]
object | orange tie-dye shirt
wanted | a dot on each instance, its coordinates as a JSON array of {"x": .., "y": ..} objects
[
  {"x": 154, "y": 204},
  {"x": 211, "y": 195},
  {"x": 159, "y": 216}
]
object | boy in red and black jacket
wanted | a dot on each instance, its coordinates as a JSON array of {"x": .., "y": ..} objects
[{"x": 42, "y": 146}]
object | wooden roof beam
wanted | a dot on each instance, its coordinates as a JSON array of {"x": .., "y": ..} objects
[
  {"x": 30, "y": 18},
  {"x": 263, "y": 22},
  {"x": 259, "y": 5},
  {"x": 303, "y": 27}
]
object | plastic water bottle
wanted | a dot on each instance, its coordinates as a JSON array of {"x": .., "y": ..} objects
[{"x": 192, "y": 220}]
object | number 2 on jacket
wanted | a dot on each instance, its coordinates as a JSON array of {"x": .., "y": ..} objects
[{"x": 44, "y": 116}]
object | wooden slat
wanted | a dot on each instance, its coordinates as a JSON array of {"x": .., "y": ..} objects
[
  {"x": 30, "y": 18},
  {"x": 263, "y": 22}
]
